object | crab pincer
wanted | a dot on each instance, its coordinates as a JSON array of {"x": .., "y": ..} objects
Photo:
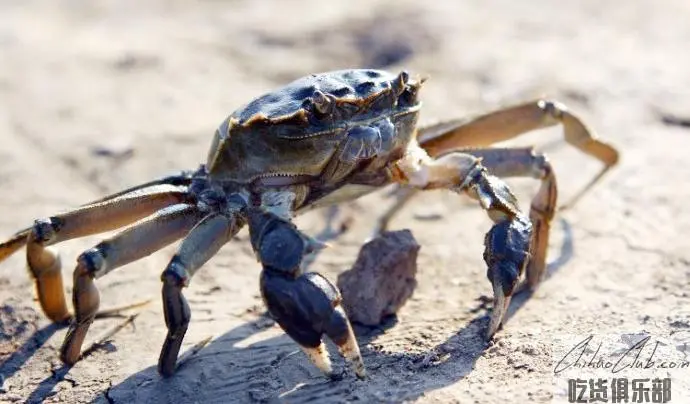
[
  {"x": 506, "y": 255},
  {"x": 305, "y": 305}
]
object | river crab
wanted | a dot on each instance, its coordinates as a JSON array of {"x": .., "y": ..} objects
[{"x": 322, "y": 139}]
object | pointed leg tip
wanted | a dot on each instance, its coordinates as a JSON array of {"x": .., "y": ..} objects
[
  {"x": 319, "y": 357},
  {"x": 70, "y": 351},
  {"x": 68, "y": 358},
  {"x": 492, "y": 330},
  {"x": 352, "y": 355},
  {"x": 360, "y": 371},
  {"x": 167, "y": 361},
  {"x": 166, "y": 370},
  {"x": 500, "y": 308},
  {"x": 344, "y": 337}
]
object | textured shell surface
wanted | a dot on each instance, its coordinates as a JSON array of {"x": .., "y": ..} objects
[
  {"x": 296, "y": 129},
  {"x": 351, "y": 85}
]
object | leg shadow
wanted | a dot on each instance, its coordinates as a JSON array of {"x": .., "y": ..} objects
[
  {"x": 46, "y": 386},
  {"x": 35, "y": 342},
  {"x": 273, "y": 369}
]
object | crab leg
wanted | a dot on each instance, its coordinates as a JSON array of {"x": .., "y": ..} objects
[
  {"x": 152, "y": 188},
  {"x": 507, "y": 244},
  {"x": 401, "y": 196},
  {"x": 142, "y": 239},
  {"x": 508, "y": 123},
  {"x": 14, "y": 243},
  {"x": 202, "y": 243},
  {"x": 505, "y": 124},
  {"x": 306, "y": 306},
  {"x": 44, "y": 262},
  {"x": 513, "y": 162},
  {"x": 184, "y": 178}
]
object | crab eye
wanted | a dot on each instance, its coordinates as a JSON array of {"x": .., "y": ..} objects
[
  {"x": 409, "y": 96},
  {"x": 399, "y": 84},
  {"x": 323, "y": 103}
]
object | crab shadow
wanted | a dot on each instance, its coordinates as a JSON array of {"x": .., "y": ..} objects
[
  {"x": 35, "y": 342},
  {"x": 16, "y": 360},
  {"x": 232, "y": 368}
]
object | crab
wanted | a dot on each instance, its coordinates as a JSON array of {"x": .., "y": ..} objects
[{"x": 320, "y": 140}]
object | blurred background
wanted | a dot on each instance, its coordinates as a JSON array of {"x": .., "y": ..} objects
[{"x": 96, "y": 96}]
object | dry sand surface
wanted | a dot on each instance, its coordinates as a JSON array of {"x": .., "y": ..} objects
[{"x": 96, "y": 96}]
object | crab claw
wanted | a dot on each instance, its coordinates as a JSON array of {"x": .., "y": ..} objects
[
  {"x": 506, "y": 255},
  {"x": 306, "y": 308}
]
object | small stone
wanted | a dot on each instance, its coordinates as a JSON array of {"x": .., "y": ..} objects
[{"x": 382, "y": 279}]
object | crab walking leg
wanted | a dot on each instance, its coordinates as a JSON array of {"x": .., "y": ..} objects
[
  {"x": 508, "y": 123},
  {"x": 517, "y": 162},
  {"x": 505, "y": 124},
  {"x": 202, "y": 243},
  {"x": 44, "y": 262},
  {"x": 305, "y": 305},
  {"x": 19, "y": 239},
  {"x": 401, "y": 197},
  {"x": 507, "y": 244},
  {"x": 501, "y": 162},
  {"x": 184, "y": 178},
  {"x": 14, "y": 243},
  {"x": 142, "y": 239}
]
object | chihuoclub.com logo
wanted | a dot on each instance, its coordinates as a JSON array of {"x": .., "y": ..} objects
[{"x": 621, "y": 368}]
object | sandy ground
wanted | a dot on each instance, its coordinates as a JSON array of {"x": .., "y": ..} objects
[{"x": 96, "y": 96}]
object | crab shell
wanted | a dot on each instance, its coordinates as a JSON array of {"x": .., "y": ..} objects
[{"x": 296, "y": 131}]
